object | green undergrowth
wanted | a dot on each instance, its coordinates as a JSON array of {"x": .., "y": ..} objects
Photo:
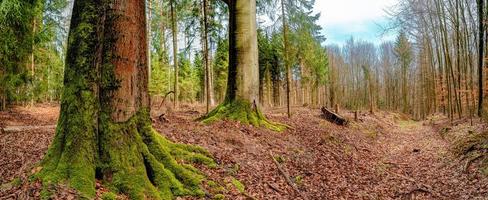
[
  {"x": 238, "y": 185},
  {"x": 16, "y": 182},
  {"x": 473, "y": 147},
  {"x": 241, "y": 111},
  {"x": 129, "y": 158},
  {"x": 109, "y": 196},
  {"x": 219, "y": 197},
  {"x": 216, "y": 190}
]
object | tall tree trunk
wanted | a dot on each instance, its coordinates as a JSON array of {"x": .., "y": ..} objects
[
  {"x": 287, "y": 65},
  {"x": 174, "y": 28},
  {"x": 149, "y": 13},
  {"x": 205, "y": 55},
  {"x": 163, "y": 56},
  {"x": 481, "y": 44},
  {"x": 242, "y": 96},
  {"x": 332, "y": 79},
  {"x": 32, "y": 59},
  {"x": 104, "y": 131}
]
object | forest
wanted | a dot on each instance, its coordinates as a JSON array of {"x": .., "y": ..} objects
[{"x": 243, "y": 99}]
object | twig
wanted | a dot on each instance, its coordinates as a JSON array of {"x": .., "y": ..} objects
[
  {"x": 470, "y": 161},
  {"x": 248, "y": 196},
  {"x": 393, "y": 163},
  {"x": 287, "y": 177},
  {"x": 164, "y": 99},
  {"x": 272, "y": 186},
  {"x": 420, "y": 186}
]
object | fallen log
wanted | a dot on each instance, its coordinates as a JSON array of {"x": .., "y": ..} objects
[{"x": 334, "y": 117}]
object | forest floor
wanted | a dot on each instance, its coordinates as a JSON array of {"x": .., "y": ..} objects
[{"x": 382, "y": 156}]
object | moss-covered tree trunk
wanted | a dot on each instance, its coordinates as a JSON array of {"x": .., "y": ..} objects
[
  {"x": 104, "y": 131},
  {"x": 242, "y": 97}
]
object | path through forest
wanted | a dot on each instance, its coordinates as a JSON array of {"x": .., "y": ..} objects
[
  {"x": 419, "y": 157},
  {"x": 383, "y": 156}
]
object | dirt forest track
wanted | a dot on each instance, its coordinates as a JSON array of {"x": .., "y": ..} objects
[{"x": 383, "y": 156}]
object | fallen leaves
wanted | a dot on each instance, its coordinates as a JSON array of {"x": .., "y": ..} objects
[{"x": 323, "y": 160}]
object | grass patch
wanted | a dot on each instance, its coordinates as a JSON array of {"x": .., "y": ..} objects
[
  {"x": 109, "y": 196},
  {"x": 406, "y": 124}
]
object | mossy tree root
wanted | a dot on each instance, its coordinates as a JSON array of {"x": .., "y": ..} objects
[
  {"x": 244, "y": 112},
  {"x": 130, "y": 158}
]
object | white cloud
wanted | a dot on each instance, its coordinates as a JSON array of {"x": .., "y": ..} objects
[
  {"x": 349, "y": 11},
  {"x": 353, "y": 16}
]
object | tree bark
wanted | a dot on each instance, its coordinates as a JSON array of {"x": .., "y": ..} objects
[
  {"x": 104, "y": 131},
  {"x": 149, "y": 30},
  {"x": 480, "y": 56},
  {"x": 287, "y": 65},
  {"x": 243, "y": 81},
  {"x": 32, "y": 59},
  {"x": 242, "y": 96},
  {"x": 174, "y": 28},
  {"x": 205, "y": 55}
]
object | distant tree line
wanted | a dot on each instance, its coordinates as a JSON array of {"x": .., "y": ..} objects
[{"x": 436, "y": 63}]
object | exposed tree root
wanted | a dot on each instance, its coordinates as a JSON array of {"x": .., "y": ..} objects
[
  {"x": 470, "y": 161},
  {"x": 244, "y": 112},
  {"x": 472, "y": 148},
  {"x": 130, "y": 158}
]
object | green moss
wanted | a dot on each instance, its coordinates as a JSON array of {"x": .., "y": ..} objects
[
  {"x": 215, "y": 188},
  {"x": 46, "y": 193},
  {"x": 109, "y": 196},
  {"x": 133, "y": 159},
  {"x": 212, "y": 184},
  {"x": 241, "y": 111},
  {"x": 16, "y": 182},
  {"x": 279, "y": 159},
  {"x": 233, "y": 170},
  {"x": 219, "y": 197},
  {"x": 238, "y": 185},
  {"x": 298, "y": 180}
]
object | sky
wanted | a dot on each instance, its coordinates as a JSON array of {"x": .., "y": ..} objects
[{"x": 361, "y": 19}]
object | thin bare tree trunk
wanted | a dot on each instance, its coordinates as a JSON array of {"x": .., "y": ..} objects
[
  {"x": 480, "y": 56},
  {"x": 32, "y": 60},
  {"x": 174, "y": 28},
  {"x": 205, "y": 55},
  {"x": 287, "y": 65}
]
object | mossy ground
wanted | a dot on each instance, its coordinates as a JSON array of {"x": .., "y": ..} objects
[
  {"x": 239, "y": 186},
  {"x": 242, "y": 111},
  {"x": 130, "y": 158}
]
